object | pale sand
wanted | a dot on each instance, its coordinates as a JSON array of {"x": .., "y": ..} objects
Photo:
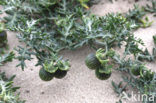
[{"x": 80, "y": 85}]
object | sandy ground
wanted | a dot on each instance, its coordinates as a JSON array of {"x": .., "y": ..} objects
[{"x": 80, "y": 85}]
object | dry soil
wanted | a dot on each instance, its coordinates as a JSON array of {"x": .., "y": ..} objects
[{"x": 80, "y": 85}]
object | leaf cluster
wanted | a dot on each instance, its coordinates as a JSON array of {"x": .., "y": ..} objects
[
  {"x": 7, "y": 57},
  {"x": 7, "y": 91},
  {"x": 49, "y": 27},
  {"x": 151, "y": 8}
]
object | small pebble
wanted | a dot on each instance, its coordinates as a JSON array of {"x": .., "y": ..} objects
[
  {"x": 42, "y": 92},
  {"x": 27, "y": 91}
]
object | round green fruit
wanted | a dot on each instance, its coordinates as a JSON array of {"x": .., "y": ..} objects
[
  {"x": 148, "y": 76},
  {"x": 45, "y": 76},
  {"x": 92, "y": 62},
  {"x": 59, "y": 74},
  {"x": 3, "y": 38},
  {"x": 102, "y": 76},
  {"x": 135, "y": 71}
]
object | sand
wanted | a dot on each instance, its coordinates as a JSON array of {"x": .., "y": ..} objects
[{"x": 80, "y": 85}]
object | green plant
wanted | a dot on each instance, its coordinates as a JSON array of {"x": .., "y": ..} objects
[
  {"x": 2, "y": 27},
  {"x": 65, "y": 33},
  {"x": 7, "y": 91},
  {"x": 154, "y": 39},
  {"x": 136, "y": 69},
  {"x": 151, "y": 8},
  {"x": 47, "y": 27},
  {"x": 65, "y": 27},
  {"x": 145, "y": 80},
  {"x": 24, "y": 54},
  {"x": 119, "y": 88},
  {"x": 83, "y": 3},
  {"x": 104, "y": 58},
  {"x": 7, "y": 57}
]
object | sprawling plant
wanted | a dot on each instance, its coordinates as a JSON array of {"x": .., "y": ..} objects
[
  {"x": 151, "y": 8},
  {"x": 7, "y": 91},
  {"x": 5, "y": 58},
  {"x": 49, "y": 26}
]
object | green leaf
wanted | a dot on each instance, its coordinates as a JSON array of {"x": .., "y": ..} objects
[
  {"x": 7, "y": 57},
  {"x": 50, "y": 67}
]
